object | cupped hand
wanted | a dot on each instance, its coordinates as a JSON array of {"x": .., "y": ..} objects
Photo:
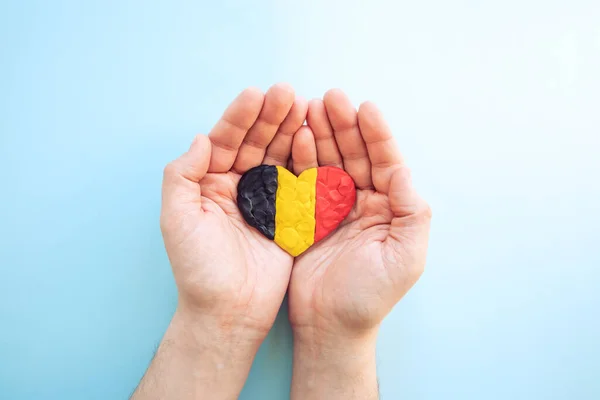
[
  {"x": 349, "y": 281},
  {"x": 224, "y": 268}
]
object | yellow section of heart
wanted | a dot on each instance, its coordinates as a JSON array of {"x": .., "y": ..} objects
[{"x": 295, "y": 210}]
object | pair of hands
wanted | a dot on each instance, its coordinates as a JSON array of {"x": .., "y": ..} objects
[{"x": 232, "y": 280}]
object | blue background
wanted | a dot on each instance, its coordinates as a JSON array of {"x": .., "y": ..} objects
[{"x": 496, "y": 108}]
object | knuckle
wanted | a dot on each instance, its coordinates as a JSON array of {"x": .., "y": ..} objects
[
  {"x": 199, "y": 137},
  {"x": 421, "y": 212},
  {"x": 279, "y": 156},
  {"x": 427, "y": 211},
  {"x": 170, "y": 170}
]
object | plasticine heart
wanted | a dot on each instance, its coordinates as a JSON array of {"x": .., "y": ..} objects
[{"x": 295, "y": 212}]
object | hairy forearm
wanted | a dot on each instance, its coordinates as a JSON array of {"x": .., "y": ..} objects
[
  {"x": 198, "y": 358},
  {"x": 331, "y": 367}
]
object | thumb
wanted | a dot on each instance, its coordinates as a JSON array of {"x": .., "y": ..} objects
[
  {"x": 182, "y": 176},
  {"x": 403, "y": 198},
  {"x": 409, "y": 230}
]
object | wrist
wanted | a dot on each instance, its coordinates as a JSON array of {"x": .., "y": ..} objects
[
  {"x": 328, "y": 348},
  {"x": 225, "y": 324},
  {"x": 222, "y": 334},
  {"x": 334, "y": 366},
  {"x": 199, "y": 355}
]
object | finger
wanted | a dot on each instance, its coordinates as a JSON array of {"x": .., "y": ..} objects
[
  {"x": 327, "y": 149},
  {"x": 277, "y": 105},
  {"x": 411, "y": 221},
  {"x": 181, "y": 176},
  {"x": 227, "y": 134},
  {"x": 280, "y": 149},
  {"x": 304, "y": 150},
  {"x": 404, "y": 200},
  {"x": 343, "y": 118},
  {"x": 383, "y": 151}
]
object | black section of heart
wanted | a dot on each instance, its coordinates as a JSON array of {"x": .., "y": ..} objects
[{"x": 256, "y": 198}]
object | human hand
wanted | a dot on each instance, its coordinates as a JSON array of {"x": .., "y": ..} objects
[
  {"x": 343, "y": 286},
  {"x": 223, "y": 267},
  {"x": 230, "y": 278}
]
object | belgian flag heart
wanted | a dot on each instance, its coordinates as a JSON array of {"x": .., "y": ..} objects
[{"x": 295, "y": 212}]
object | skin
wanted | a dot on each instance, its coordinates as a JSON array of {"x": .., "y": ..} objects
[
  {"x": 339, "y": 290},
  {"x": 228, "y": 300},
  {"x": 342, "y": 288}
]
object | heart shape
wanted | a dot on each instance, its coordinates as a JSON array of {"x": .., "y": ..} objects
[{"x": 295, "y": 212}]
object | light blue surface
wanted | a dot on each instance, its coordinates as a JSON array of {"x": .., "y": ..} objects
[{"x": 496, "y": 108}]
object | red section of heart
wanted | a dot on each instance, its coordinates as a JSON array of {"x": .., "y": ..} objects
[{"x": 334, "y": 198}]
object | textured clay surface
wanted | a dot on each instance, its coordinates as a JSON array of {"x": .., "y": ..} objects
[
  {"x": 336, "y": 195},
  {"x": 295, "y": 210},
  {"x": 256, "y": 198}
]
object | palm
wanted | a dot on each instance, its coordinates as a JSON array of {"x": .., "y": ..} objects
[
  {"x": 251, "y": 265},
  {"x": 340, "y": 272}
]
